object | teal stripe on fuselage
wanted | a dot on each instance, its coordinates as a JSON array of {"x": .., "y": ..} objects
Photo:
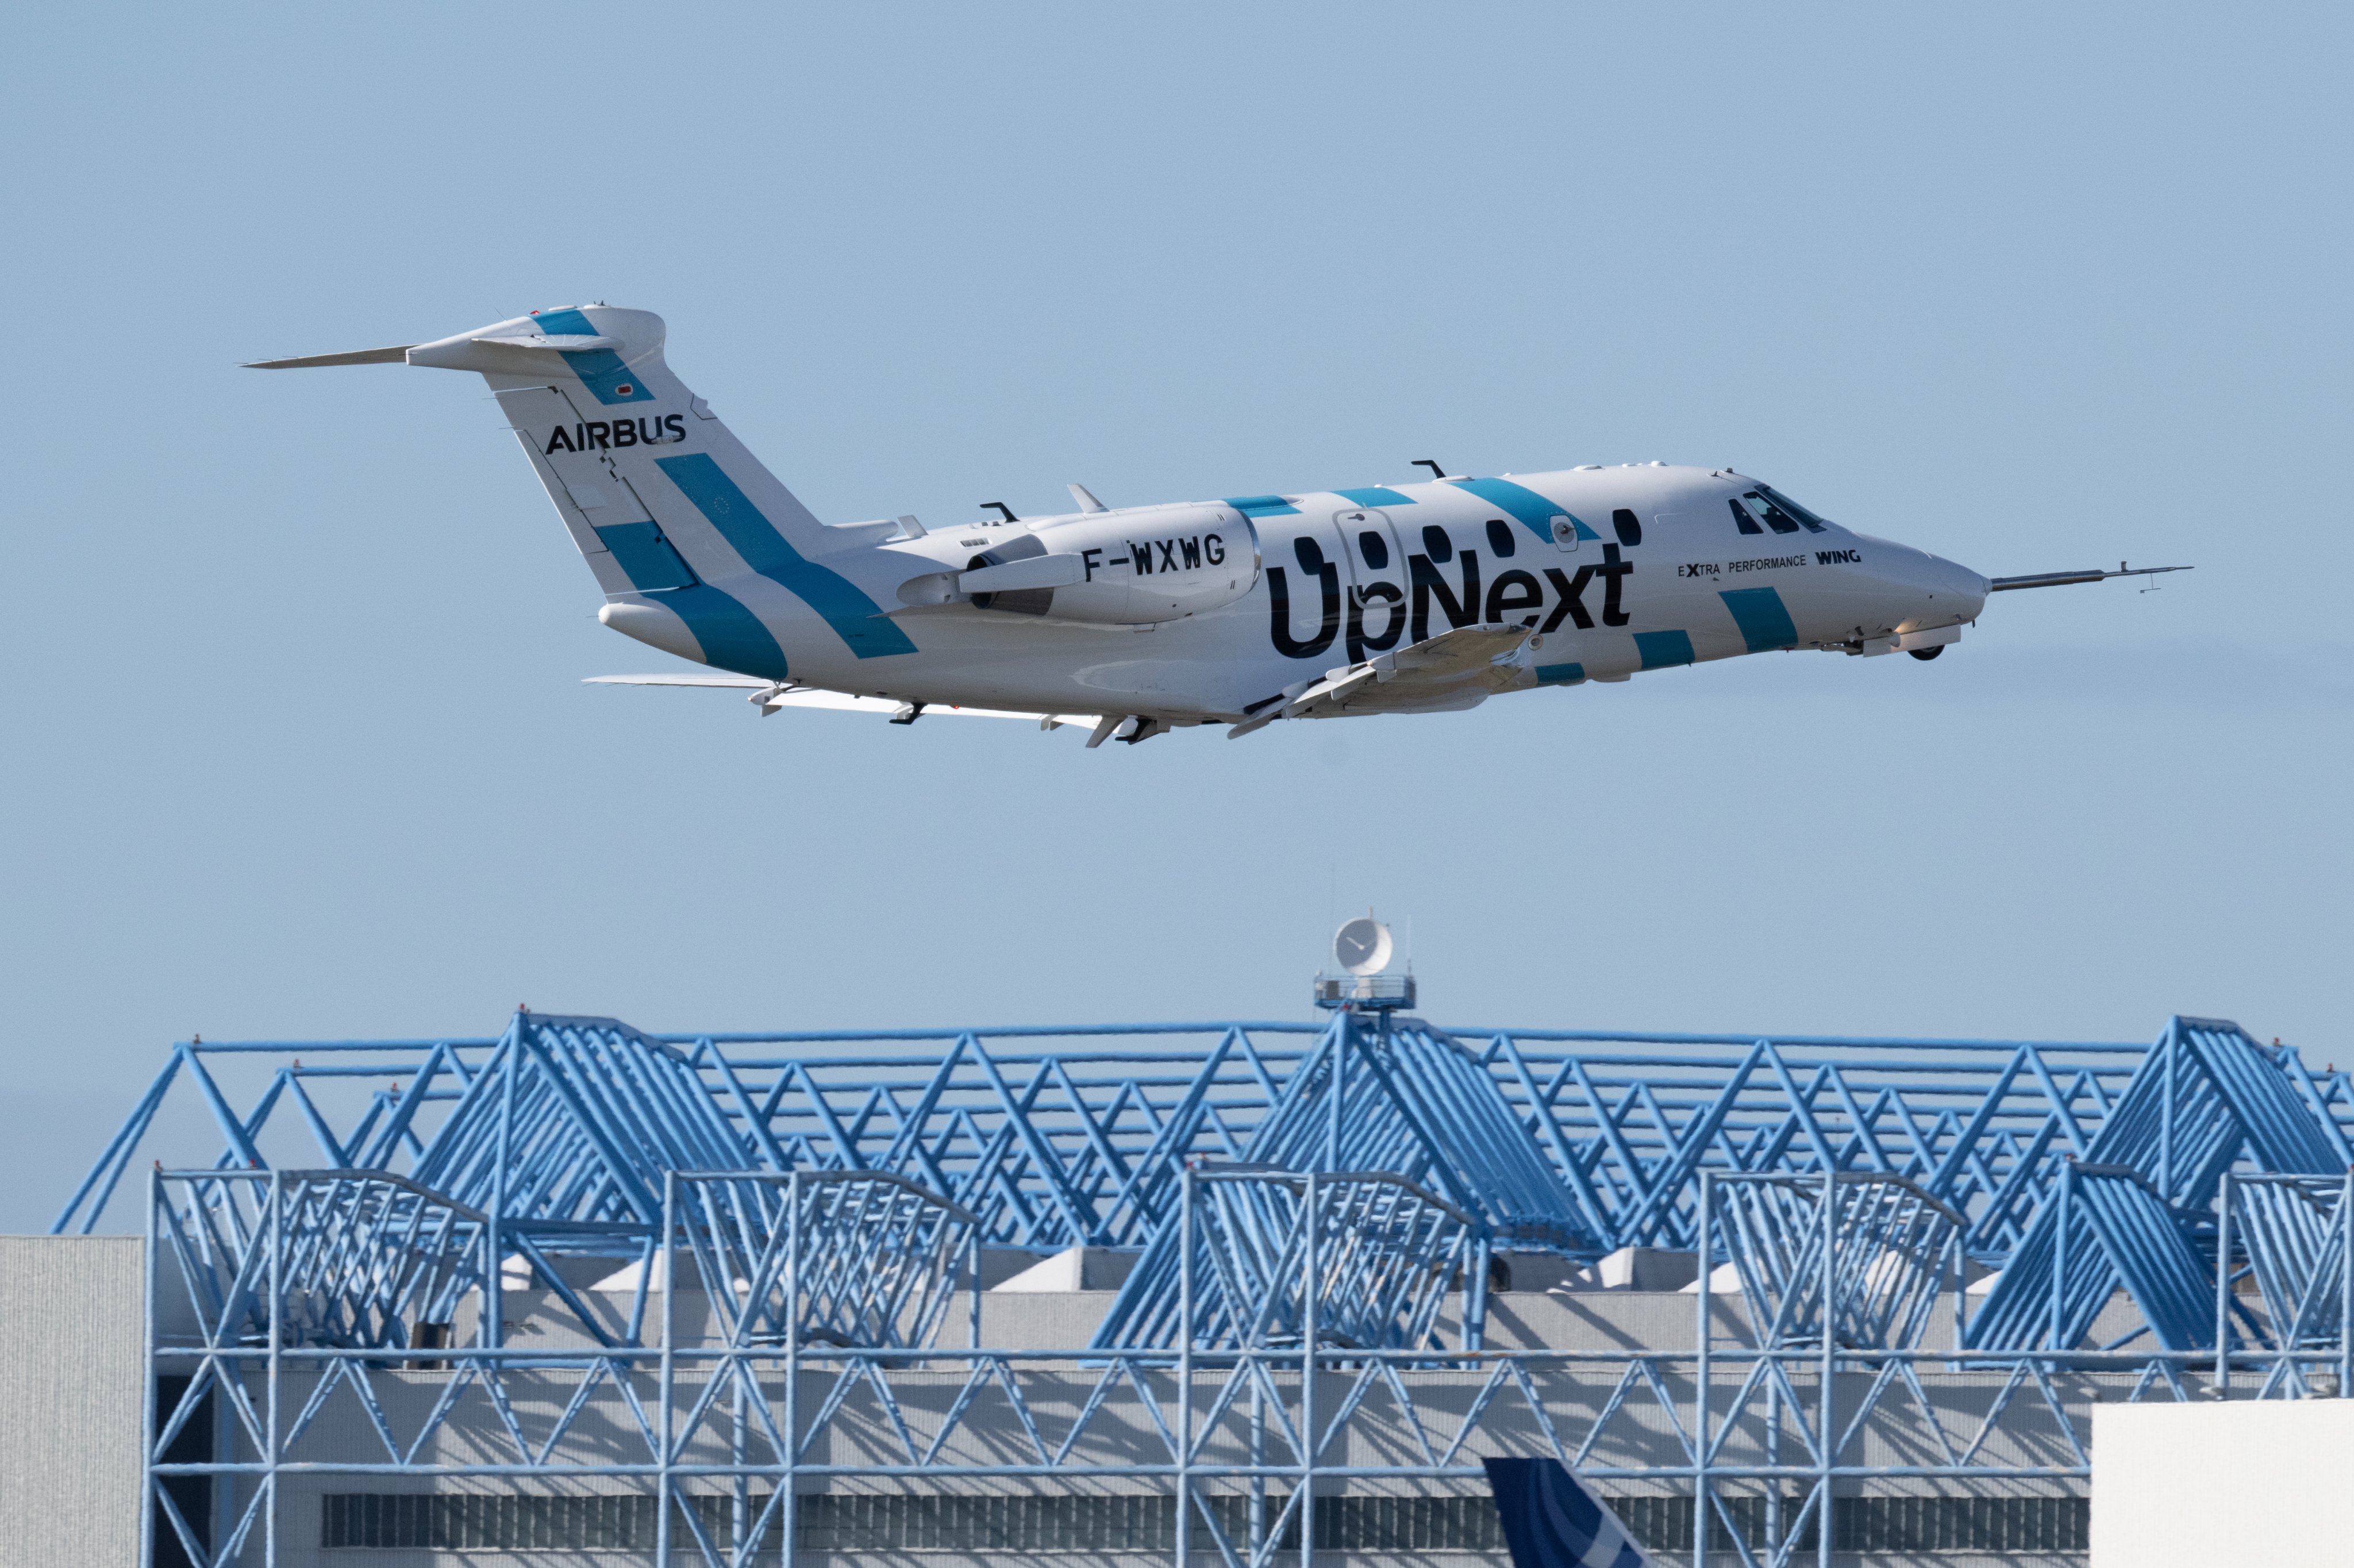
[
  {"x": 1375, "y": 495},
  {"x": 1664, "y": 650},
  {"x": 858, "y": 621},
  {"x": 1533, "y": 510},
  {"x": 1764, "y": 619},
  {"x": 731, "y": 635},
  {"x": 1560, "y": 674},
  {"x": 1262, "y": 505},
  {"x": 599, "y": 369}
]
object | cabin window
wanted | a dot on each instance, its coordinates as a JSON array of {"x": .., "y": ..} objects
[
  {"x": 1436, "y": 545},
  {"x": 1772, "y": 516},
  {"x": 1499, "y": 536},
  {"x": 1629, "y": 527},
  {"x": 1776, "y": 511},
  {"x": 1812, "y": 524},
  {"x": 1369, "y": 545}
]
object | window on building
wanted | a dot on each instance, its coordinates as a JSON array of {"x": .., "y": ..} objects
[{"x": 1146, "y": 1521}]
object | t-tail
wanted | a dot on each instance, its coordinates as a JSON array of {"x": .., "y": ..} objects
[{"x": 699, "y": 548}]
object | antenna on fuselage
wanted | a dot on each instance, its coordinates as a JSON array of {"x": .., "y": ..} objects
[
  {"x": 1435, "y": 472},
  {"x": 1007, "y": 512}
]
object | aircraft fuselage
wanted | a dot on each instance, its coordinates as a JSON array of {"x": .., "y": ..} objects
[
  {"x": 1412, "y": 597},
  {"x": 1658, "y": 572}
]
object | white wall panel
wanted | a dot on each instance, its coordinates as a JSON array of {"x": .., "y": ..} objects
[{"x": 2255, "y": 1482}]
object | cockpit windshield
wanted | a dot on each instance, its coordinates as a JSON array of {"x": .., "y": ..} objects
[{"x": 1774, "y": 510}]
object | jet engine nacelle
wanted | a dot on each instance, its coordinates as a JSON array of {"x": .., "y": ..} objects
[{"x": 1112, "y": 568}]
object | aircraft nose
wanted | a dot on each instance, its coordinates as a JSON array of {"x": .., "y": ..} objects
[
  {"x": 1932, "y": 599},
  {"x": 1917, "y": 592},
  {"x": 1951, "y": 585}
]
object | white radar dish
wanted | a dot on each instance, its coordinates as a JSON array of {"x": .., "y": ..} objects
[{"x": 1362, "y": 946}]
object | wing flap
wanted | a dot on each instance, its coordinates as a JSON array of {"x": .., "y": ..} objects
[{"x": 1458, "y": 669}]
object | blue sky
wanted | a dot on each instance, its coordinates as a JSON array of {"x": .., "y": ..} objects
[{"x": 296, "y": 740}]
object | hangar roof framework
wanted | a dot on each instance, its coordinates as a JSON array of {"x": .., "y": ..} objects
[
  {"x": 1058, "y": 1136},
  {"x": 361, "y": 1187}
]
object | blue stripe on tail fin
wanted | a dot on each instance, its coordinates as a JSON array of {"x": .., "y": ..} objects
[
  {"x": 1551, "y": 1520},
  {"x": 599, "y": 369},
  {"x": 858, "y": 621}
]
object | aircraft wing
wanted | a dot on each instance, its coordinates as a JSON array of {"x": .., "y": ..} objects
[
  {"x": 772, "y": 697},
  {"x": 1459, "y": 669}
]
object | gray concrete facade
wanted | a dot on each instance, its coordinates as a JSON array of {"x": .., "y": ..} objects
[{"x": 70, "y": 1365}]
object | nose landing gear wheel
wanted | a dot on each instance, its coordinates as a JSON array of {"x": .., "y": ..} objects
[{"x": 1927, "y": 652}]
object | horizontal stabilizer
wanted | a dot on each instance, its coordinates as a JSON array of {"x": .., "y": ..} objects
[
  {"x": 396, "y": 355},
  {"x": 770, "y": 699},
  {"x": 559, "y": 343},
  {"x": 737, "y": 682}
]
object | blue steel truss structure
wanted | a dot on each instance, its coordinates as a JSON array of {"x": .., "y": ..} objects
[{"x": 1300, "y": 1196}]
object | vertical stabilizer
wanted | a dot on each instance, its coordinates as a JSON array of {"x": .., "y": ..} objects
[
  {"x": 699, "y": 548},
  {"x": 1551, "y": 1519}
]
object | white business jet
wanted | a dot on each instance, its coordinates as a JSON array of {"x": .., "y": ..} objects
[{"x": 1419, "y": 597}]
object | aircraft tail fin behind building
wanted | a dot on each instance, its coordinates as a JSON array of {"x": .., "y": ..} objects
[{"x": 1552, "y": 1519}]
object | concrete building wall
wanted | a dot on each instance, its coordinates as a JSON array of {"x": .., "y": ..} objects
[
  {"x": 2255, "y": 1481},
  {"x": 71, "y": 1396},
  {"x": 69, "y": 1400},
  {"x": 1121, "y": 1431},
  {"x": 1618, "y": 1320}
]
